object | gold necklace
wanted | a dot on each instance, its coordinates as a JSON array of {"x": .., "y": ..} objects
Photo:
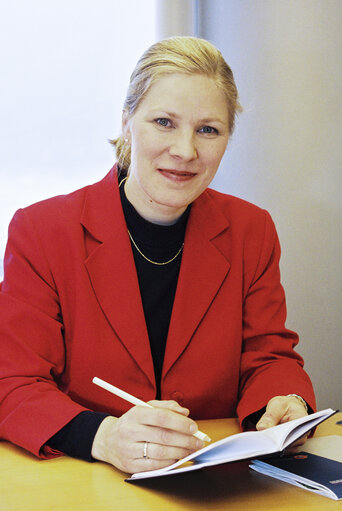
[{"x": 143, "y": 255}]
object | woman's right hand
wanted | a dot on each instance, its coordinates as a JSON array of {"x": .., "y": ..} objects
[{"x": 166, "y": 428}]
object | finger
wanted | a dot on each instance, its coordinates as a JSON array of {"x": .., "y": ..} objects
[
  {"x": 296, "y": 446},
  {"x": 169, "y": 437},
  {"x": 273, "y": 414},
  {"x": 160, "y": 452},
  {"x": 166, "y": 419},
  {"x": 120, "y": 441},
  {"x": 157, "y": 425},
  {"x": 170, "y": 405},
  {"x": 281, "y": 409},
  {"x": 144, "y": 465},
  {"x": 157, "y": 456},
  {"x": 301, "y": 441}
]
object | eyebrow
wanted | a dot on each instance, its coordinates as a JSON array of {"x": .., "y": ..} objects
[{"x": 201, "y": 121}]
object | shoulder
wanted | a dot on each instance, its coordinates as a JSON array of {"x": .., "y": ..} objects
[
  {"x": 51, "y": 233},
  {"x": 250, "y": 236},
  {"x": 230, "y": 203},
  {"x": 63, "y": 210},
  {"x": 239, "y": 212},
  {"x": 70, "y": 202}
]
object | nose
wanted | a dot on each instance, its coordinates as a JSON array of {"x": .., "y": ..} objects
[{"x": 183, "y": 146}]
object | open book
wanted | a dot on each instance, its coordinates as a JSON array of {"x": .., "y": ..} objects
[
  {"x": 249, "y": 444},
  {"x": 317, "y": 468}
]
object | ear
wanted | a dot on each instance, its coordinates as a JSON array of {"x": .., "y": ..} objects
[{"x": 126, "y": 132}]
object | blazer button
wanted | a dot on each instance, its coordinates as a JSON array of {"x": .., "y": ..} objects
[{"x": 178, "y": 396}]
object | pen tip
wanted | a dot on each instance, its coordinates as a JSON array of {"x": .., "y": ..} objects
[{"x": 202, "y": 436}]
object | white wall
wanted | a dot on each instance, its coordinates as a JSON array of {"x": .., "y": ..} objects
[
  {"x": 64, "y": 67},
  {"x": 285, "y": 155}
]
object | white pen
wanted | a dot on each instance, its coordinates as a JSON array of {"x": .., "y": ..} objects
[{"x": 135, "y": 401}]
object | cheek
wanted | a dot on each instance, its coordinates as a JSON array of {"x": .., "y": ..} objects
[
  {"x": 218, "y": 154},
  {"x": 144, "y": 146},
  {"x": 213, "y": 157}
]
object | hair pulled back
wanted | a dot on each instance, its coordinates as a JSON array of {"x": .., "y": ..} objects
[{"x": 180, "y": 54}]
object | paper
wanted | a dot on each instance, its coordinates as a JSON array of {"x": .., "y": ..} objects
[
  {"x": 317, "y": 468},
  {"x": 244, "y": 445}
]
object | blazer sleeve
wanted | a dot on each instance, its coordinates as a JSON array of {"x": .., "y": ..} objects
[
  {"x": 269, "y": 364},
  {"x": 32, "y": 408}
]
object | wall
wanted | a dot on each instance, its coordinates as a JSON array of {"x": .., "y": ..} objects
[
  {"x": 285, "y": 155},
  {"x": 64, "y": 72},
  {"x": 175, "y": 17}
]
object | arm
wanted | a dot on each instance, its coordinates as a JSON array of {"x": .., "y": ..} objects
[
  {"x": 76, "y": 438},
  {"x": 93, "y": 435},
  {"x": 269, "y": 365},
  {"x": 32, "y": 408}
]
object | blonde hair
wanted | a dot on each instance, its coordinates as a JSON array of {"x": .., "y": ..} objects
[{"x": 180, "y": 54}]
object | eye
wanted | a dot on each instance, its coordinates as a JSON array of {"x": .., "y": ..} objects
[
  {"x": 162, "y": 121},
  {"x": 208, "y": 130}
]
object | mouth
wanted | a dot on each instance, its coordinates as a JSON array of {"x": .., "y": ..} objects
[{"x": 177, "y": 175}]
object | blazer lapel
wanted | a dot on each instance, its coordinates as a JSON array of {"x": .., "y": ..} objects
[
  {"x": 203, "y": 270},
  {"x": 111, "y": 270}
]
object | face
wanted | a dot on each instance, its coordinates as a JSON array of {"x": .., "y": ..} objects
[{"x": 178, "y": 135}]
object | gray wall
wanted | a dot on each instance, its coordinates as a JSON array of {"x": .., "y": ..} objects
[{"x": 285, "y": 155}]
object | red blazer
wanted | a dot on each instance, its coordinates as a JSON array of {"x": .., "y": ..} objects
[{"x": 70, "y": 309}]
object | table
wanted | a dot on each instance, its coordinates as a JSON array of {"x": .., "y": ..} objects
[{"x": 30, "y": 484}]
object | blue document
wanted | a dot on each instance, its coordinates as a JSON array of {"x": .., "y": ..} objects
[{"x": 306, "y": 470}]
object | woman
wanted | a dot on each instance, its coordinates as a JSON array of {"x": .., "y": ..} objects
[{"x": 151, "y": 281}]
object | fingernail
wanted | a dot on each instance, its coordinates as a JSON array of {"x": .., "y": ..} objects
[{"x": 193, "y": 428}]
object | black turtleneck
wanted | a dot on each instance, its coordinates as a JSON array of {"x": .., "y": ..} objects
[
  {"x": 157, "y": 283},
  {"x": 160, "y": 243}
]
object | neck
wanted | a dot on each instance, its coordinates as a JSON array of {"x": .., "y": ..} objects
[{"x": 149, "y": 209}]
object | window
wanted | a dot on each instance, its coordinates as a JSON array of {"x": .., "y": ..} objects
[{"x": 65, "y": 67}]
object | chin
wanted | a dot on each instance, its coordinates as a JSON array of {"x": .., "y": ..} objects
[{"x": 174, "y": 204}]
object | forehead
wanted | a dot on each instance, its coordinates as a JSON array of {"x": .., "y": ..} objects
[{"x": 197, "y": 94}]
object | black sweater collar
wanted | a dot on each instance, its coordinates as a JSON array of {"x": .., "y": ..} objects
[{"x": 152, "y": 235}]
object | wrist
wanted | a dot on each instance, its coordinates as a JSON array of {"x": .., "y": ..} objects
[
  {"x": 99, "y": 450},
  {"x": 301, "y": 400}
]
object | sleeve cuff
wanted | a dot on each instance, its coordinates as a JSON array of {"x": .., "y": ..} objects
[{"x": 76, "y": 438}]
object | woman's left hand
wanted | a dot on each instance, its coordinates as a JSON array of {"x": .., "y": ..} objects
[{"x": 282, "y": 409}]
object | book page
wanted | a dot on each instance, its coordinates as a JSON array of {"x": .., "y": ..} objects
[
  {"x": 241, "y": 446},
  {"x": 249, "y": 443},
  {"x": 285, "y": 434},
  {"x": 302, "y": 425}
]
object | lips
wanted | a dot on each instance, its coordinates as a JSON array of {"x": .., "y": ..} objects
[{"x": 177, "y": 175}]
